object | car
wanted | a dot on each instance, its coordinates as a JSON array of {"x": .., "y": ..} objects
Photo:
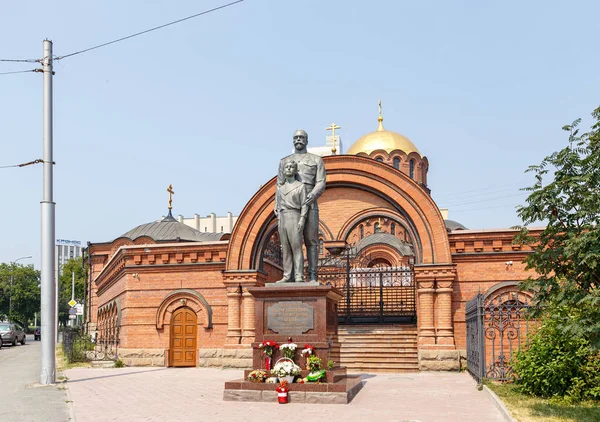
[
  {"x": 37, "y": 334},
  {"x": 12, "y": 333}
]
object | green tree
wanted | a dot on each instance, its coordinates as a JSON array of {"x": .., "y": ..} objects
[
  {"x": 566, "y": 256},
  {"x": 19, "y": 292},
  {"x": 72, "y": 266}
]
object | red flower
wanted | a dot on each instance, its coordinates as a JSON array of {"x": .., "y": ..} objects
[{"x": 268, "y": 347}]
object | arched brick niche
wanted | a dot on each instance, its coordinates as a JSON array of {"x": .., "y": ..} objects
[
  {"x": 412, "y": 164},
  {"x": 184, "y": 298},
  {"x": 365, "y": 183}
]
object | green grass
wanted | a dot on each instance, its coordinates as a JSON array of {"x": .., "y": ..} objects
[{"x": 526, "y": 408}]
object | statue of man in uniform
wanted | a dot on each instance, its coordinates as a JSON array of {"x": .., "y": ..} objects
[{"x": 311, "y": 172}]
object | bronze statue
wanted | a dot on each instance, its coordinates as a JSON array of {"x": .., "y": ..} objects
[
  {"x": 291, "y": 208},
  {"x": 311, "y": 172}
]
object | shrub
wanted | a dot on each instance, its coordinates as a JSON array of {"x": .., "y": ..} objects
[
  {"x": 558, "y": 364},
  {"x": 119, "y": 363}
]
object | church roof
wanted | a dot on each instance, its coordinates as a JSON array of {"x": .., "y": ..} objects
[
  {"x": 388, "y": 239},
  {"x": 169, "y": 229},
  {"x": 384, "y": 140},
  {"x": 452, "y": 225}
]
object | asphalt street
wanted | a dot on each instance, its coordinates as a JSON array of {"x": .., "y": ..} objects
[{"x": 21, "y": 397}]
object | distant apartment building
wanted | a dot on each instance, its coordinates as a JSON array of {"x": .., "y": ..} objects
[
  {"x": 65, "y": 250},
  {"x": 211, "y": 223}
]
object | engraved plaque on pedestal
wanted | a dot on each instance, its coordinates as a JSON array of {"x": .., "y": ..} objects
[{"x": 290, "y": 317}]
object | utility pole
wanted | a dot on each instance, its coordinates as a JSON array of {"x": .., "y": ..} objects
[
  {"x": 72, "y": 321},
  {"x": 48, "y": 304}
]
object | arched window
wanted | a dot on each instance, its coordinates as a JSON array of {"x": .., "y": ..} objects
[
  {"x": 376, "y": 228},
  {"x": 397, "y": 163},
  {"x": 379, "y": 159},
  {"x": 393, "y": 229},
  {"x": 362, "y": 231},
  {"x": 412, "y": 169}
]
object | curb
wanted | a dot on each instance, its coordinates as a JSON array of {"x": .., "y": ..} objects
[{"x": 499, "y": 405}]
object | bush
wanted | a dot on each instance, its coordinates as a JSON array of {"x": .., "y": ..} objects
[
  {"x": 119, "y": 363},
  {"x": 558, "y": 364}
]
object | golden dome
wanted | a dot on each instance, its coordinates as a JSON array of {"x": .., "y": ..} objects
[{"x": 382, "y": 139}]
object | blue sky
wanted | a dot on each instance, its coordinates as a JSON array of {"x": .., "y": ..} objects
[{"x": 209, "y": 105}]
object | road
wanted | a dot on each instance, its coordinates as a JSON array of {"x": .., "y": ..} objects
[{"x": 20, "y": 397}]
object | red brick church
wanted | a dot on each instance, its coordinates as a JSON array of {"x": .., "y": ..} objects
[{"x": 174, "y": 296}]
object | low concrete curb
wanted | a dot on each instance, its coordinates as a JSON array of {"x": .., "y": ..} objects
[{"x": 499, "y": 405}]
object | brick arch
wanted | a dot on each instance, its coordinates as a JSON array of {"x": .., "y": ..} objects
[
  {"x": 404, "y": 194},
  {"x": 360, "y": 216},
  {"x": 383, "y": 252},
  {"x": 184, "y": 298}
]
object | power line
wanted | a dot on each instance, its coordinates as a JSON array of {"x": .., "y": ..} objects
[
  {"x": 19, "y": 71},
  {"x": 148, "y": 30},
  {"x": 21, "y": 60},
  {"x": 24, "y": 164},
  {"x": 484, "y": 200},
  {"x": 483, "y": 208},
  {"x": 481, "y": 191}
]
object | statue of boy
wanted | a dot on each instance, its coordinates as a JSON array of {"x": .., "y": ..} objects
[
  {"x": 291, "y": 208},
  {"x": 311, "y": 172}
]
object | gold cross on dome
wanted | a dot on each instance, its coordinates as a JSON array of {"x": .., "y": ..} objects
[
  {"x": 171, "y": 192},
  {"x": 380, "y": 108},
  {"x": 332, "y": 128}
]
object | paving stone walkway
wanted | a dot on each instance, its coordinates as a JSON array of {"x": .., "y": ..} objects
[{"x": 195, "y": 394}]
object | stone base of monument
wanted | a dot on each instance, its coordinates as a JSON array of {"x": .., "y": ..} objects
[
  {"x": 341, "y": 391},
  {"x": 307, "y": 314}
]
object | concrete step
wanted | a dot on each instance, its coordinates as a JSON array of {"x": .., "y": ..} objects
[
  {"x": 103, "y": 364},
  {"x": 374, "y": 342},
  {"x": 382, "y": 368},
  {"x": 379, "y": 351},
  {"x": 376, "y": 360}
]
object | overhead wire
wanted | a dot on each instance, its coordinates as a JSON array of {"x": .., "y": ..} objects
[
  {"x": 21, "y": 60},
  {"x": 484, "y": 200},
  {"x": 147, "y": 30},
  {"x": 24, "y": 164},
  {"x": 19, "y": 71}
]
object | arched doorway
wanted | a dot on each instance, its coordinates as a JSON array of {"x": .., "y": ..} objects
[{"x": 183, "y": 337}]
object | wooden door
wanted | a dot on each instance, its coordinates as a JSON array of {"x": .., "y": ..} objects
[{"x": 184, "y": 329}]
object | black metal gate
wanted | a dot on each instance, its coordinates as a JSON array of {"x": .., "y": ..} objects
[
  {"x": 371, "y": 295},
  {"x": 475, "y": 340},
  {"x": 81, "y": 347},
  {"x": 497, "y": 325}
]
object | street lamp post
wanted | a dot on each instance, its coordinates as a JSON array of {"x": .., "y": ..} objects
[{"x": 11, "y": 284}]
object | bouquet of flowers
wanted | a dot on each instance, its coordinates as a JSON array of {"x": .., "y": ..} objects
[
  {"x": 285, "y": 367},
  {"x": 313, "y": 363},
  {"x": 288, "y": 350},
  {"x": 309, "y": 349},
  {"x": 257, "y": 376},
  {"x": 268, "y": 347}
]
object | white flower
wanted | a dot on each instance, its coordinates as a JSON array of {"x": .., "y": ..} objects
[
  {"x": 291, "y": 346},
  {"x": 285, "y": 367},
  {"x": 306, "y": 352}
]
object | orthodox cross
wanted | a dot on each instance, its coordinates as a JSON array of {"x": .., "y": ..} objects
[
  {"x": 380, "y": 107},
  {"x": 171, "y": 192},
  {"x": 332, "y": 128}
]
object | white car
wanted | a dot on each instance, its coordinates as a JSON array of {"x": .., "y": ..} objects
[{"x": 12, "y": 333}]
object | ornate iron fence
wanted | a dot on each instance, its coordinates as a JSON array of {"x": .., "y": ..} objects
[
  {"x": 374, "y": 295},
  {"x": 475, "y": 340},
  {"x": 497, "y": 326},
  {"x": 80, "y": 347}
]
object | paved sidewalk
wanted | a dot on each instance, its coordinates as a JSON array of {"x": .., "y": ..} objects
[
  {"x": 21, "y": 397},
  {"x": 195, "y": 394}
]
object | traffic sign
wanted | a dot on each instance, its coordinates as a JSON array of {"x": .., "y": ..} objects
[
  {"x": 72, "y": 303},
  {"x": 79, "y": 309},
  {"x": 72, "y": 316},
  {"x": 72, "y": 311}
]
